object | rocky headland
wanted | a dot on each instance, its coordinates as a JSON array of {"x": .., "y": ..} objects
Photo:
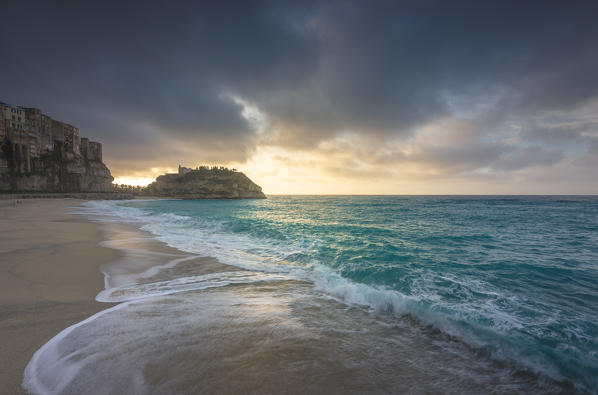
[{"x": 205, "y": 183}]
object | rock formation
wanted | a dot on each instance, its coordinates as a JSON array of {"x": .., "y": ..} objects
[
  {"x": 206, "y": 183},
  {"x": 55, "y": 172}
]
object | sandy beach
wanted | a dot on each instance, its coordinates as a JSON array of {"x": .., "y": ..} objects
[
  {"x": 49, "y": 276},
  {"x": 51, "y": 271}
]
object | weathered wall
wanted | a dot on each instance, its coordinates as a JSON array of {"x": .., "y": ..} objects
[{"x": 91, "y": 150}]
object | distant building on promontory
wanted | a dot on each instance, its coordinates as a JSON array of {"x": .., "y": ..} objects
[
  {"x": 42, "y": 154},
  {"x": 205, "y": 182}
]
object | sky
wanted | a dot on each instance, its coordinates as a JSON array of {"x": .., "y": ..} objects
[{"x": 329, "y": 97}]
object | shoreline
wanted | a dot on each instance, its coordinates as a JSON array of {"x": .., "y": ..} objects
[
  {"x": 83, "y": 196},
  {"x": 49, "y": 274},
  {"x": 56, "y": 260},
  {"x": 217, "y": 326},
  {"x": 53, "y": 266}
]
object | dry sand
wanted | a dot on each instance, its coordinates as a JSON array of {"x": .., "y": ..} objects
[{"x": 49, "y": 276}]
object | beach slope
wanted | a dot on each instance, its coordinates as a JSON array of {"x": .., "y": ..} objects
[{"x": 49, "y": 276}]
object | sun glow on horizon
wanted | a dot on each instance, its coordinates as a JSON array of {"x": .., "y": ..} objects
[{"x": 134, "y": 181}]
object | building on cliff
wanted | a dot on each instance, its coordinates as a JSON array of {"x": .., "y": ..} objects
[
  {"x": 184, "y": 170},
  {"x": 39, "y": 153},
  {"x": 33, "y": 133},
  {"x": 204, "y": 182}
]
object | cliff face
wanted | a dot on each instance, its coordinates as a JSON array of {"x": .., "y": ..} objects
[
  {"x": 206, "y": 184},
  {"x": 87, "y": 176},
  {"x": 56, "y": 172}
]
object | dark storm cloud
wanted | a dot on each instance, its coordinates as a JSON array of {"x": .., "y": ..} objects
[
  {"x": 388, "y": 66},
  {"x": 171, "y": 67},
  {"x": 170, "y": 72}
]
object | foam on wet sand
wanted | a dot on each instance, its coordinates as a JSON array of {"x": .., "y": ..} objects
[{"x": 50, "y": 274}]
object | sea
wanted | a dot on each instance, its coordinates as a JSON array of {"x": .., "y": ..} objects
[{"x": 339, "y": 294}]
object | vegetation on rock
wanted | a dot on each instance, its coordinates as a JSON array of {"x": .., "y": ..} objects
[{"x": 206, "y": 183}]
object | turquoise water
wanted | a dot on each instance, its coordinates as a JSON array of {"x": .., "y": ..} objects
[
  {"x": 338, "y": 294},
  {"x": 516, "y": 277}
]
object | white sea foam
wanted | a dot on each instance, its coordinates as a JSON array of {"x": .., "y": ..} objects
[
  {"x": 192, "y": 235},
  {"x": 244, "y": 251},
  {"x": 264, "y": 260},
  {"x": 49, "y": 371},
  {"x": 209, "y": 238},
  {"x": 56, "y": 366},
  {"x": 258, "y": 255},
  {"x": 185, "y": 284},
  {"x": 248, "y": 336}
]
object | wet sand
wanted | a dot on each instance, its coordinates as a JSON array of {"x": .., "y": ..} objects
[
  {"x": 50, "y": 273},
  {"x": 49, "y": 276}
]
